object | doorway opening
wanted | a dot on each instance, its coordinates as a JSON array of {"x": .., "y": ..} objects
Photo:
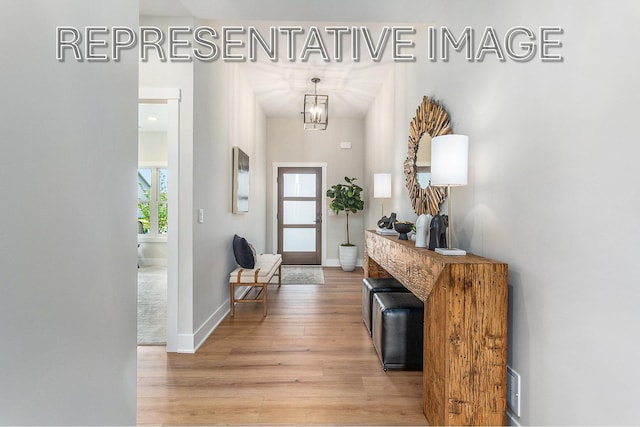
[
  {"x": 158, "y": 226},
  {"x": 153, "y": 210}
]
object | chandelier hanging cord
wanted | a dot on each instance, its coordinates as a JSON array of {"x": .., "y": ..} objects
[{"x": 315, "y": 117}]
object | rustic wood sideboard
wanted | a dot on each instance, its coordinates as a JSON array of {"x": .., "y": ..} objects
[{"x": 465, "y": 327}]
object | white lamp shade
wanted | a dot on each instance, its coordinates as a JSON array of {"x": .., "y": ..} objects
[
  {"x": 381, "y": 185},
  {"x": 449, "y": 160}
]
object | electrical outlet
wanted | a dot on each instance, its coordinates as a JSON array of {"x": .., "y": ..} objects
[{"x": 513, "y": 391}]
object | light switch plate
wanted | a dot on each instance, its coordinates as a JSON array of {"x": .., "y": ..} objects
[{"x": 201, "y": 216}]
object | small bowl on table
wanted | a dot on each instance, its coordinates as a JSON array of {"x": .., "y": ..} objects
[{"x": 403, "y": 228}]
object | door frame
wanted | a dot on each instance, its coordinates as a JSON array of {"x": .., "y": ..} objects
[
  {"x": 274, "y": 202},
  {"x": 298, "y": 257},
  {"x": 172, "y": 98}
]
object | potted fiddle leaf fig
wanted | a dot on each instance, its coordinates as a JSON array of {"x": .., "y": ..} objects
[{"x": 346, "y": 198}]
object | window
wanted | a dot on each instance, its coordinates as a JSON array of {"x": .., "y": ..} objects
[{"x": 152, "y": 200}]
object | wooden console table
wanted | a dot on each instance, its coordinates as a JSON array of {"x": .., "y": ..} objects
[{"x": 465, "y": 327}]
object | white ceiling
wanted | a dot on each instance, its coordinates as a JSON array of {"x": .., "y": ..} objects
[
  {"x": 280, "y": 86},
  {"x": 152, "y": 117}
]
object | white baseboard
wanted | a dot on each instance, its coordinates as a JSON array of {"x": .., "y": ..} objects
[
  {"x": 210, "y": 325},
  {"x": 511, "y": 419},
  {"x": 335, "y": 262},
  {"x": 185, "y": 344},
  {"x": 190, "y": 343},
  {"x": 332, "y": 262}
]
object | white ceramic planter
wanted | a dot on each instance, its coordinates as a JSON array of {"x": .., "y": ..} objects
[{"x": 348, "y": 257}]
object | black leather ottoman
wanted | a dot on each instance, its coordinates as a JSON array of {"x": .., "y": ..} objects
[
  {"x": 372, "y": 285},
  {"x": 398, "y": 323}
]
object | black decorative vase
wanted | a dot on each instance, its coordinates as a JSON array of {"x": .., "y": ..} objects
[{"x": 403, "y": 228}]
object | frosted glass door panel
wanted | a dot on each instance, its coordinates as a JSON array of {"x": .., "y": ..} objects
[
  {"x": 299, "y": 239},
  {"x": 299, "y": 185},
  {"x": 296, "y": 212},
  {"x": 299, "y": 215}
]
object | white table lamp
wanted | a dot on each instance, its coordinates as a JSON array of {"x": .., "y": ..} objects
[
  {"x": 381, "y": 187},
  {"x": 449, "y": 167}
]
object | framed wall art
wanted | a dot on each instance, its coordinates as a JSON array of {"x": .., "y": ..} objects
[{"x": 240, "y": 203}]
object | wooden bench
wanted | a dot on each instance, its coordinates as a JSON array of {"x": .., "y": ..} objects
[{"x": 258, "y": 278}]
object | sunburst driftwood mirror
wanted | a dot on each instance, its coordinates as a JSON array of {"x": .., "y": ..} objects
[{"x": 431, "y": 120}]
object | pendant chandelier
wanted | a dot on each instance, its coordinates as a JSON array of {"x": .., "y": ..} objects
[{"x": 316, "y": 109}]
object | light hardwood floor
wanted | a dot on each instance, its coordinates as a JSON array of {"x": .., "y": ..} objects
[{"x": 309, "y": 362}]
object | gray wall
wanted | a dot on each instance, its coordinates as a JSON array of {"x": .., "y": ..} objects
[
  {"x": 226, "y": 114},
  {"x": 288, "y": 142},
  {"x": 67, "y": 239},
  {"x": 553, "y": 162}
]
